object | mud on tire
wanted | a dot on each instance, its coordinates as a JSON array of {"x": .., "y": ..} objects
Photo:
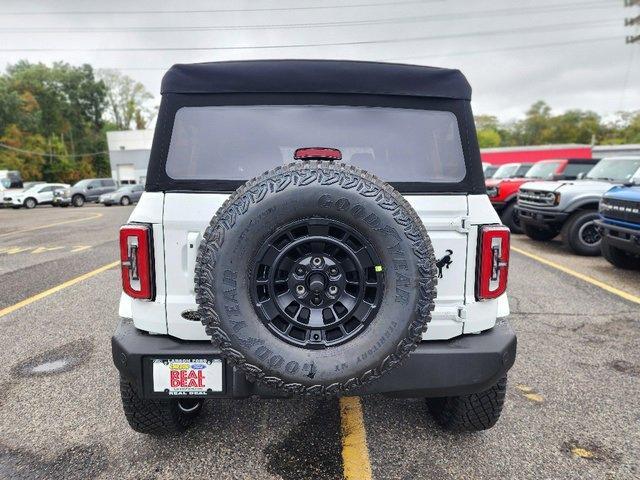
[{"x": 241, "y": 258}]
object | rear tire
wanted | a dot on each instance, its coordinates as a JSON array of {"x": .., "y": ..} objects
[
  {"x": 77, "y": 201},
  {"x": 125, "y": 201},
  {"x": 511, "y": 219},
  {"x": 581, "y": 234},
  {"x": 30, "y": 203},
  {"x": 539, "y": 234},
  {"x": 157, "y": 417},
  {"x": 619, "y": 258},
  {"x": 469, "y": 413}
]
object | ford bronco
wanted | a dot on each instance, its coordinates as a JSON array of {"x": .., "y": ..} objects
[
  {"x": 548, "y": 208},
  {"x": 319, "y": 276},
  {"x": 619, "y": 225},
  {"x": 503, "y": 192}
]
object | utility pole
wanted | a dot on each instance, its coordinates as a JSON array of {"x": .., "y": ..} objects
[{"x": 632, "y": 22}]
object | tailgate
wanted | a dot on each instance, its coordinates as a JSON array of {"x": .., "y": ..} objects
[{"x": 186, "y": 215}]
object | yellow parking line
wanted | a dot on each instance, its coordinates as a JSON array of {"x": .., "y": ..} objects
[
  {"x": 355, "y": 455},
  {"x": 605, "y": 286},
  {"x": 91, "y": 217},
  {"x": 57, "y": 288}
]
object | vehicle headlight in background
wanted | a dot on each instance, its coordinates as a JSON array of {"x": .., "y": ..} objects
[{"x": 492, "y": 191}]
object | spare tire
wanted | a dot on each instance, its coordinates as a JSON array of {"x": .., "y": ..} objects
[{"x": 315, "y": 278}]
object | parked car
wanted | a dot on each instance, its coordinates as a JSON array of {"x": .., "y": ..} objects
[
  {"x": 38, "y": 194},
  {"x": 315, "y": 278},
  {"x": 88, "y": 190},
  {"x": 503, "y": 192},
  {"x": 547, "y": 208},
  {"x": 124, "y": 196},
  {"x": 10, "y": 179},
  {"x": 489, "y": 169},
  {"x": 7, "y": 191},
  {"x": 619, "y": 225}
]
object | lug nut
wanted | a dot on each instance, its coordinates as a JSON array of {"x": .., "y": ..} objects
[
  {"x": 333, "y": 289},
  {"x": 333, "y": 271},
  {"x": 300, "y": 289},
  {"x": 300, "y": 270},
  {"x": 316, "y": 261}
]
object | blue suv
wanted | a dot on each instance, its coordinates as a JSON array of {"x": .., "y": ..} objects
[{"x": 619, "y": 225}]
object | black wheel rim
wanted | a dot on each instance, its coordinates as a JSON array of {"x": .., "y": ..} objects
[
  {"x": 589, "y": 233},
  {"x": 317, "y": 283}
]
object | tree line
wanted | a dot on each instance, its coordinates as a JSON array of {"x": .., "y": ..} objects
[
  {"x": 54, "y": 119},
  {"x": 540, "y": 127}
]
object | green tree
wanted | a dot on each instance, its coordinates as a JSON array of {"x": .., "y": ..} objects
[
  {"x": 57, "y": 110},
  {"x": 488, "y": 138},
  {"x": 128, "y": 101}
]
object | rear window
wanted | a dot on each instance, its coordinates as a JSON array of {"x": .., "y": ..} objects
[{"x": 240, "y": 142}]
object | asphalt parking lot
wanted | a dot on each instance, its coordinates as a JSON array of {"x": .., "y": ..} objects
[{"x": 573, "y": 406}]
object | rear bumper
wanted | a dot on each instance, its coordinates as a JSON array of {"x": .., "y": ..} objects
[
  {"x": 626, "y": 239},
  {"x": 542, "y": 217},
  {"x": 61, "y": 201},
  {"x": 466, "y": 364}
]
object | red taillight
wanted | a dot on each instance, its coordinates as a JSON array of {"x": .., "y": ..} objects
[
  {"x": 493, "y": 261},
  {"x": 317, "y": 153},
  {"x": 135, "y": 258}
]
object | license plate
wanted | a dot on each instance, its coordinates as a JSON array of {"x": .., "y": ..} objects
[{"x": 187, "y": 376}]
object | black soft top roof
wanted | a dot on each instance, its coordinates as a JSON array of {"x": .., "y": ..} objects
[{"x": 316, "y": 76}]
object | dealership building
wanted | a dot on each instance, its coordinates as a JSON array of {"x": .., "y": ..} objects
[{"x": 129, "y": 153}]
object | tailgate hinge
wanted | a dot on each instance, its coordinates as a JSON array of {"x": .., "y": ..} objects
[{"x": 461, "y": 224}]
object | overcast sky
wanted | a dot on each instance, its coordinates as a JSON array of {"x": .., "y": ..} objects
[{"x": 570, "y": 53}]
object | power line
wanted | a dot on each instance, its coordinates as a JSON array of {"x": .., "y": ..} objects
[
  {"x": 347, "y": 23},
  {"x": 543, "y": 28},
  {"x": 52, "y": 155},
  {"x": 508, "y": 49},
  {"x": 217, "y": 10},
  {"x": 414, "y": 57}
]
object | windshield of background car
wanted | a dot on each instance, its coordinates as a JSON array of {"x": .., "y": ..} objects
[
  {"x": 34, "y": 188},
  {"x": 6, "y": 183},
  {"x": 542, "y": 170},
  {"x": 490, "y": 171},
  {"x": 241, "y": 142},
  {"x": 81, "y": 183},
  {"x": 506, "y": 171},
  {"x": 615, "y": 169}
]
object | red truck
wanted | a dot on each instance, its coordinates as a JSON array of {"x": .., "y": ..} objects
[{"x": 503, "y": 187}]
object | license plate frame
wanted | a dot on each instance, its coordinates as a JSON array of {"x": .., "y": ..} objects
[{"x": 158, "y": 370}]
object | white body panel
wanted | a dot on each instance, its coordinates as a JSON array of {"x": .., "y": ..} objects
[
  {"x": 42, "y": 193},
  {"x": 179, "y": 221}
]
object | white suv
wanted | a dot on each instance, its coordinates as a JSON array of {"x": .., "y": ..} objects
[
  {"x": 38, "y": 194},
  {"x": 319, "y": 276}
]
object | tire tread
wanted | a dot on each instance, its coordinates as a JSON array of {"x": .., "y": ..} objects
[
  {"x": 154, "y": 417},
  {"x": 470, "y": 413},
  {"x": 301, "y": 174}
]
